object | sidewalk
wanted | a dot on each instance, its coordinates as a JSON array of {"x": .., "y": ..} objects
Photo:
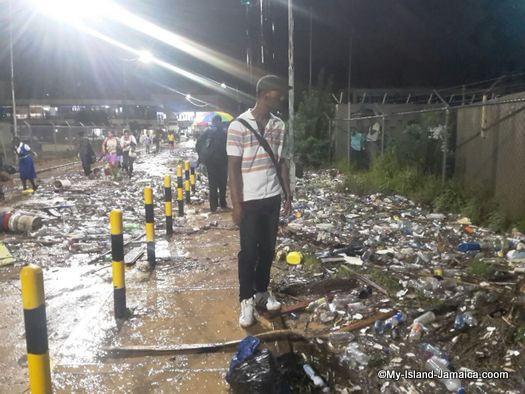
[{"x": 186, "y": 300}]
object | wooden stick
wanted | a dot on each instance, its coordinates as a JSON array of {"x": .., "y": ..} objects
[{"x": 173, "y": 350}]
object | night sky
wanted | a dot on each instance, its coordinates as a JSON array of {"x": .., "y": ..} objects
[{"x": 396, "y": 43}]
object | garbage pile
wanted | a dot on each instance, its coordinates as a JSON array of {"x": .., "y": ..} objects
[
  {"x": 67, "y": 221},
  {"x": 391, "y": 286}
]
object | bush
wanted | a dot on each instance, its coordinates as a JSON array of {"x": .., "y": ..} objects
[{"x": 389, "y": 176}]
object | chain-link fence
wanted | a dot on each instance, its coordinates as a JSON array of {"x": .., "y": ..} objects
[{"x": 481, "y": 145}]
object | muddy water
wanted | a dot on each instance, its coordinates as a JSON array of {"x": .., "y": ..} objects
[{"x": 191, "y": 297}]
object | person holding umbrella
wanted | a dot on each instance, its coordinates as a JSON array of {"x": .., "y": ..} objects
[{"x": 25, "y": 163}]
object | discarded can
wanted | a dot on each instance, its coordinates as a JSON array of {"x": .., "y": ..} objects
[
  {"x": 294, "y": 258},
  {"x": 62, "y": 184}
]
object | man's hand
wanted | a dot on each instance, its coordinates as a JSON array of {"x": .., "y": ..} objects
[
  {"x": 287, "y": 206},
  {"x": 237, "y": 214}
]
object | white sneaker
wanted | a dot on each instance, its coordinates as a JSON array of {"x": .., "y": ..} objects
[
  {"x": 247, "y": 319},
  {"x": 267, "y": 300}
]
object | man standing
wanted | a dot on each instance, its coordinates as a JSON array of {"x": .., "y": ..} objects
[
  {"x": 211, "y": 147},
  {"x": 86, "y": 153},
  {"x": 128, "y": 144},
  {"x": 256, "y": 193}
]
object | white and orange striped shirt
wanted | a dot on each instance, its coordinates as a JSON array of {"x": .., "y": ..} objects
[{"x": 259, "y": 177}]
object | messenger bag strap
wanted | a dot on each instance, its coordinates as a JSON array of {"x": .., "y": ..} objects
[{"x": 268, "y": 149}]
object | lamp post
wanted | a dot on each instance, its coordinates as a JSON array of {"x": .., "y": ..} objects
[{"x": 13, "y": 99}]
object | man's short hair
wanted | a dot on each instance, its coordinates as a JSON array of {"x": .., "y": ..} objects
[{"x": 271, "y": 82}]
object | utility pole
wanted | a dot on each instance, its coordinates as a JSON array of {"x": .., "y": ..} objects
[
  {"x": 13, "y": 99},
  {"x": 291, "y": 74},
  {"x": 349, "y": 113},
  {"x": 291, "y": 92},
  {"x": 310, "y": 51}
]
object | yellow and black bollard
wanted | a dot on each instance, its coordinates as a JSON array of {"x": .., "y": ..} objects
[
  {"x": 167, "y": 205},
  {"x": 150, "y": 225},
  {"x": 187, "y": 180},
  {"x": 117, "y": 265},
  {"x": 33, "y": 301},
  {"x": 192, "y": 179},
  {"x": 180, "y": 191}
]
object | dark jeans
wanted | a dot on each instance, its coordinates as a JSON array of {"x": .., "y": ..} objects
[
  {"x": 260, "y": 219},
  {"x": 217, "y": 177},
  {"x": 86, "y": 164},
  {"x": 127, "y": 162}
]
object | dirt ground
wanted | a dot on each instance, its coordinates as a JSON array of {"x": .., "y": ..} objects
[{"x": 190, "y": 297}]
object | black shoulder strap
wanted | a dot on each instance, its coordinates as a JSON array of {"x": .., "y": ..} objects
[{"x": 267, "y": 148}]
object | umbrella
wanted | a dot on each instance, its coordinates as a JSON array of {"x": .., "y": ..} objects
[{"x": 206, "y": 120}]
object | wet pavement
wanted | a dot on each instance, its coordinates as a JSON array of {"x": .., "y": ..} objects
[
  {"x": 190, "y": 297},
  {"x": 372, "y": 267}
]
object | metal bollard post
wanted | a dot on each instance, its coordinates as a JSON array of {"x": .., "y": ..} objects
[
  {"x": 187, "y": 180},
  {"x": 117, "y": 265},
  {"x": 150, "y": 225},
  {"x": 180, "y": 193},
  {"x": 192, "y": 179},
  {"x": 167, "y": 205},
  {"x": 33, "y": 301}
]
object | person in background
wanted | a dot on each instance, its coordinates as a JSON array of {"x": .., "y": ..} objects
[
  {"x": 109, "y": 149},
  {"x": 119, "y": 149},
  {"x": 128, "y": 144},
  {"x": 171, "y": 141},
  {"x": 255, "y": 187},
  {"x": 85, "y": 153},
  {"x": 211, "y": 148},
  {"x": 25, "y": 163},
  {"x": 357, "y": 153},
  {"x": 372, "y": 142},
  {"x": 157, "y": 139},
  {"x": 147, "y": 142}
]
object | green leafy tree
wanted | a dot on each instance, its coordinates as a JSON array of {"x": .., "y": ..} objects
[{"x": 311, "y": 124}]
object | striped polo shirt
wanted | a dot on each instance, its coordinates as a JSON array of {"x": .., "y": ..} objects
[{"x": 259, "y": 178}]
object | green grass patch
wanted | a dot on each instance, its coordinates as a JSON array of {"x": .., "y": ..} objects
[
  {"x": 519, "y": 335},
  {"x": 383, "y": 279},
  {"x": 481, "y": 268},
  {"x": 389, "y": 176},
  {"x": 312, "y": 264}
]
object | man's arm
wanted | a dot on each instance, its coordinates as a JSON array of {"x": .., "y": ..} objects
[
  {"x": 235, "y": 180},
  {"x": 285, "y": 175}
]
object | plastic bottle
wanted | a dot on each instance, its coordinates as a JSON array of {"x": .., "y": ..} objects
[
  {"x": 468, "y": 247},
  {"x": 470, "y": 320},
  {"x": 438, "y": 365},
  {"x": 314, "y": 304},
  {"x": 431, "y": 350},
  {"x": 425, "y": 318},
  {"x": 379, "y": 327},
  {"x": 340, "y": 301},
  {"x": 394, "y": 320},
  {"x": 353, "y": 353},
  {"x": 415, "y": 332},
  {"x": 317, "y": 380},
  {"x": 459, "y": 322}
]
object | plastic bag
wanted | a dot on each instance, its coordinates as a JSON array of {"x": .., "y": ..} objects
[{"x": 257, "y": 374}]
